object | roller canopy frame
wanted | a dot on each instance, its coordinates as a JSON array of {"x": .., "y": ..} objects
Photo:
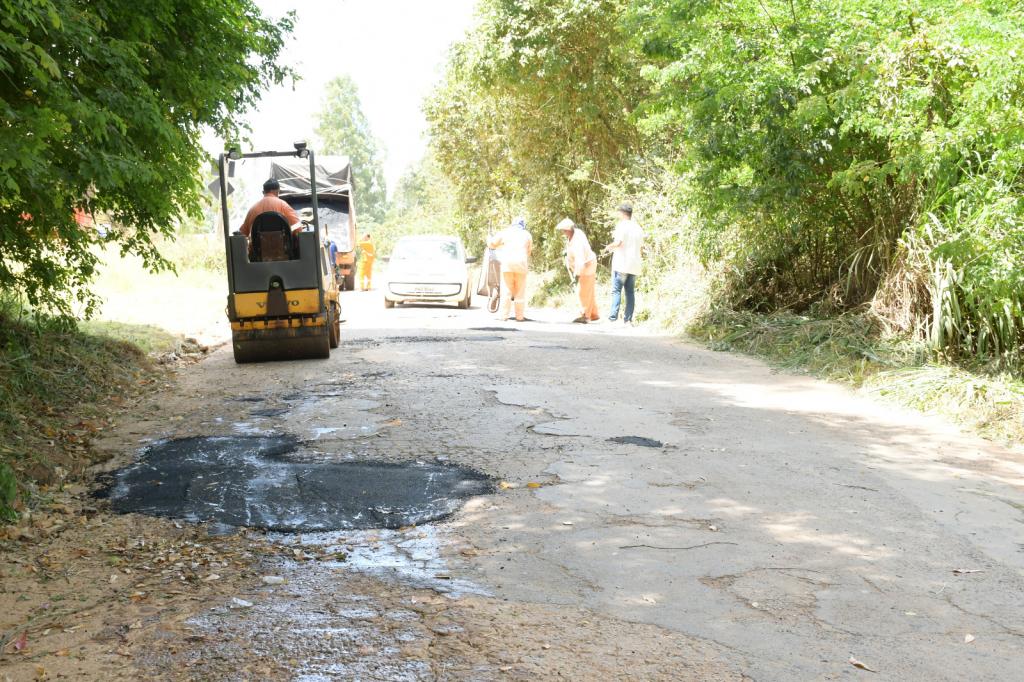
[{"x": 229, "y": 252}]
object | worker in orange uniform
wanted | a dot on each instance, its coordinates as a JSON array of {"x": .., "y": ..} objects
[
  {"x": 271, "y": 202},
  {"x": 514, "y": 245},
  {"x": 581, "y": 261},
  {"x": 364, "y": 271}
]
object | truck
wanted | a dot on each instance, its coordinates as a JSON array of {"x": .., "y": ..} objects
[{"x": 335, "y": 205}]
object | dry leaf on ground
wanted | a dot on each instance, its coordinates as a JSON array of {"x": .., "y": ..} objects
[{"x": 860, "y": 664}]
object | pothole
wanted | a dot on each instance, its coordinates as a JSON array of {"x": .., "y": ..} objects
[
  {"x": 783, "y": 593},
  {"x": 641, "y": 441},
  {"x": 266, "y": 482}
]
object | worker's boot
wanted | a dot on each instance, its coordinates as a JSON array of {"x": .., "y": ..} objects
[{"x": 520, "y": 311}]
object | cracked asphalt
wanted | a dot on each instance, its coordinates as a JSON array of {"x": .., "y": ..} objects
[{"x": 660, "y": 511}]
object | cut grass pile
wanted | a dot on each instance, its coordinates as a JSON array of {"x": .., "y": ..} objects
[{"x": 854, "y": 349}]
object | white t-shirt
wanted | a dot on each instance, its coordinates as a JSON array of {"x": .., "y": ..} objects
[{"x": 626, "y": 257}]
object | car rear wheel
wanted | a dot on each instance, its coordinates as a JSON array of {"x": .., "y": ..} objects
[{"x": 389, "y": 304}]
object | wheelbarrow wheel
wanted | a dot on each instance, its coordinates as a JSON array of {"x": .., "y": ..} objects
[{"x": 334, "y": 322}]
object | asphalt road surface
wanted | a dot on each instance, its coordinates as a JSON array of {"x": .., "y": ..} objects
[{"x": 655, "y": 511}]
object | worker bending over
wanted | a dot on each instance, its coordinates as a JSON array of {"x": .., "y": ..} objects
[
  {"x": 364, "y": 270},
  {"x": 514, "y": 245},
  {"x": 581, "y": 261}
]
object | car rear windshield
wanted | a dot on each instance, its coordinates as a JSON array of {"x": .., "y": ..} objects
[{"x": 426, "y": 250}]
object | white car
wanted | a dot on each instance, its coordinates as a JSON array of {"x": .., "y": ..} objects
[{"x": 428, "y": 269}]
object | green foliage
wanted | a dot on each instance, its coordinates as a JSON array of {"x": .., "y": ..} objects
[
  {"x": 422, "y": 204},
  {"x": 852, "y": 151},
  {"x": 102, "y": 105},
  {"x": 343, "y": 129},
  {"x": 535, "y": 115},
  {"x": 8, "y": 493}
]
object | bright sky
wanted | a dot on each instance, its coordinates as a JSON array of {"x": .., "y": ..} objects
[{"x": 393, "y": 49}]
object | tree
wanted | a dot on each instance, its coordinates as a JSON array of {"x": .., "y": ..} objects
[
  {"x": 344, "y": 129},
  {"x": 102, "y": 105},
  {"x": 854, "y": 152},
  {"x": 422, "y": 204},
  {"x": 536, "y": 112}
]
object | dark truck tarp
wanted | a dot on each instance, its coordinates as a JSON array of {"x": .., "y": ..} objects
[
  {"x": 333, "y": 177},
  {"x": 333, "y": 191}
]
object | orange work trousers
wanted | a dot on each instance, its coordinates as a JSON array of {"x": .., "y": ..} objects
[
  {"x": 586, "y": 288},
  {"x": 515, "y": 290},
  {"x": 364, "y": 273}
]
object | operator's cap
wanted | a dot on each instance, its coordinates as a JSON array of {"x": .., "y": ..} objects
[
  {"x": 566, "y": 225},
  {"x": 271, "y": 185},
  {"x": 626, "y": 208}
]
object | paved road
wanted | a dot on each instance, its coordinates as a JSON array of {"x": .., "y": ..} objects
[{"x": 783, "y": 526}]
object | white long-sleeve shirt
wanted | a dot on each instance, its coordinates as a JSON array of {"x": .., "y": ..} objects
[{"x": 580, "y": 258}]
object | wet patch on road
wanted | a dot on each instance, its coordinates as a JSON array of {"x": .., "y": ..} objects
[
  {"x": 412, "y": 556},
  {"x": 266, "y": 482},
  {"x": 640, "y": 441},
  {"x": 493, "y": 329},
  {"x": 549, "y": 346}
]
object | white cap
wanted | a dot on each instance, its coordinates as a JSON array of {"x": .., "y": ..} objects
[{"x": 566, "y": 225}]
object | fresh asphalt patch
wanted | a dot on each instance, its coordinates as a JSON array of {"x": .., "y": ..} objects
[
  {"x": 637, "y": 440},
  {"x": 258, "y": 482}
]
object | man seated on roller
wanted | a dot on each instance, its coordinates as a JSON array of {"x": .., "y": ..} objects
[{"x": 271, "y": 202}]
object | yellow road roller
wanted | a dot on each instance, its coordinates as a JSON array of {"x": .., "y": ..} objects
[{"x": 282, "y": 289}]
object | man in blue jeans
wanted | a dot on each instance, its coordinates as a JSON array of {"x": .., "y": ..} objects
[{"x": 626, "y": 244}]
